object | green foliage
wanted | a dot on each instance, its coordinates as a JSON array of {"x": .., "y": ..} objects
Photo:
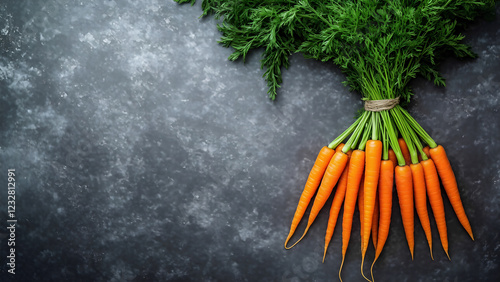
[{"x": 379, "y": 45}]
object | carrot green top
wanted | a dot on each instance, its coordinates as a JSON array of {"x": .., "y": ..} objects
[{"x": 379, "y": 45}]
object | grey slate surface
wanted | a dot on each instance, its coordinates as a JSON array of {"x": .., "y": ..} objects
[{"x": 142, "y": 154}]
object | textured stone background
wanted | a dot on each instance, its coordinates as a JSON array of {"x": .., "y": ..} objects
[{"x": 143, "y": 154}]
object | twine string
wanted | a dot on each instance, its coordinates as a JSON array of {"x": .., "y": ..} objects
[{"x": 381, "y": 105}]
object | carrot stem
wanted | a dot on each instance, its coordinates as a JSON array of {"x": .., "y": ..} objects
[
  {"x": 398, "y": 118},
  {"x": 385, "y": 143},
  {"x": 420, "y": 131},
  {"x": 393, "y": 138},
  {"x": 418, "y": 144},
  {"x": 366, "y": 135},
  {"x": 344, "y": 135},
  {"x": 355, "y": 136},
  {"x": 375, "y": 123}
]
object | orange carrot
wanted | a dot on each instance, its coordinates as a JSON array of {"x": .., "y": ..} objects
[
  {"x": 332, "y": 175},
  {"x": 449, "y": 181},
  {"x": 436, "y": 201},
  {"x": 356, "y": 167},
  {"x": 386, "y": 181},
  {"x": 375, "y": 221},
  {"x": 404, "y": 186},
  {"x": 339, "y": 147},
  {"x": 372, "y": 170},
  {"x": 392, "y": 157},
  {"x": 404, "y": 150},
  {"x": 426, "y": 151},
  {"x": 361, "y": 207},
  {"x": 417, "y": 173},
  {"x": 320, "y": 165},
  {"x": 338, "y": 199}
]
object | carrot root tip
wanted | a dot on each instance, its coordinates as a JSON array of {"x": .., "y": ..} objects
[
  {"x": 371, "y": 269},
  {"x": 305, "y": 232},
  {"x": 362, "y": 262},
  {"x": 340, "y": 270},
  {"x": 286, "y": 242}
]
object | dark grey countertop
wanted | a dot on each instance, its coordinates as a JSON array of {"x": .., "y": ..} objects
[{"x": 142, "y": 154}]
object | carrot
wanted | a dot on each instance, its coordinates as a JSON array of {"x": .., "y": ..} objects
[
  {"x": 417, "y": 173},
  {"x": 376, "y": 215},
  {"x": 404, "y": 186},
  {"x": 426, "y": 151},
  {"x": 392, "y": 157},
  {"x": 372, "y": 170},
  {"x": 386, "y": 181},
  {"x": 320, "y": 165},
  {"x": 361, "y": 207},
  {"x": 438, "y": 155},
  {"x": 339, "y": 147},
  {"x": 404, "y": 150},
  {"x": 332, "y": 175},
  {"x": 338, "y": 199},
  {"x": 436, "y": 201},
  {"x": 356, "y": 168}
]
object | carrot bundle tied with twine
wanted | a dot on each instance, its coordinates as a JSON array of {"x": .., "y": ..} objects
[{"x": 384, "y": 51}]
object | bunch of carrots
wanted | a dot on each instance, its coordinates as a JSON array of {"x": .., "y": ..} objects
[
  {"x": 380, "y": 46},
  {"x": 365, "y": 168}
]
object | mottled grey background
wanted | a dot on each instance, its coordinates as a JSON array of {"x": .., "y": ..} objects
[{"x": 142, "y": 154}]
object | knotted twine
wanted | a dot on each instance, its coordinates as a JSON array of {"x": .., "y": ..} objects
[{"x": 380, "y": 105}]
